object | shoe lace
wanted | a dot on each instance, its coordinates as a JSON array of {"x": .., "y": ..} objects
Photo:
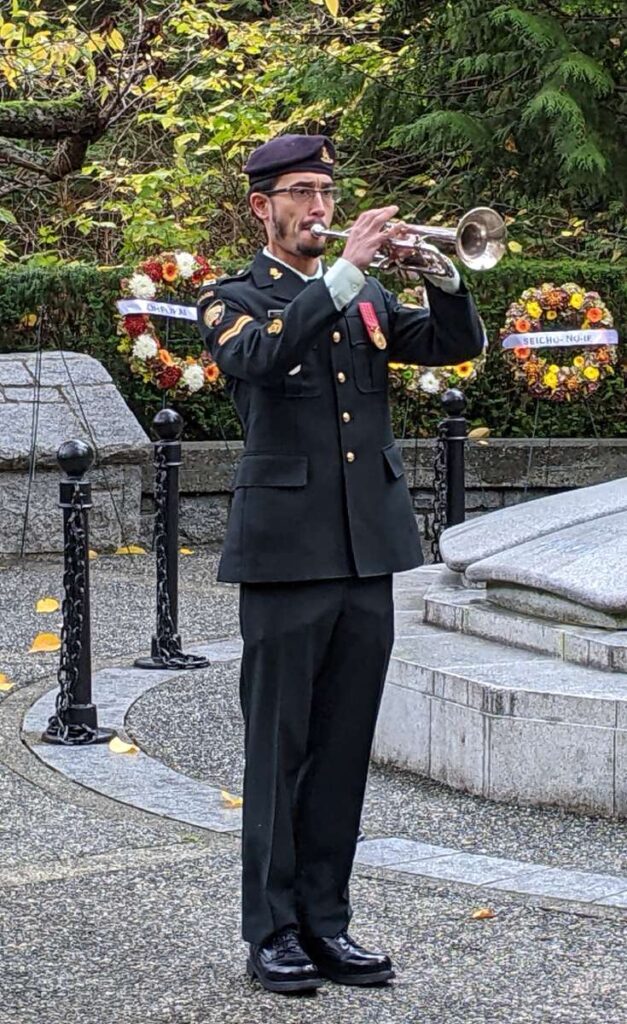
[{"x": 285, "y": 938}]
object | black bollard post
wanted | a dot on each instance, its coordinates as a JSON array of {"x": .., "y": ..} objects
[
  {"x": 75, "y": 722},
  {"x": 454, "y": 402},
  {"x": 449, "y": 506},
  {"x": 166, "y": 649}
]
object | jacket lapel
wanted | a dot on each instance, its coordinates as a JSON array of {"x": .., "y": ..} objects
[{"x": 281, "y": 282}]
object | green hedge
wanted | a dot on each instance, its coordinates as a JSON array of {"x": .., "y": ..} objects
[{"x": 80, "y": 315}]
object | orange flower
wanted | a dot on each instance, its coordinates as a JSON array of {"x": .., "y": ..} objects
[
  {"x": 521, "y": 352},
  {"x": 165, "y": 357},
  {"x": 212, "y": 372},
  {"x": 170, "y": 270},
  {"x": 522, "y": 325},
  {"x": 595, "y": 314},
  {"x": 463, "y": 369}
]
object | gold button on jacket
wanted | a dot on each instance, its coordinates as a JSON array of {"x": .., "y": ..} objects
[
  {"x": 341, "y": 377},
  {"x": 350, "y": 456}
]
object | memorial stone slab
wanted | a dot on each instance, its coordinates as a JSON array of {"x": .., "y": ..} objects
[
  {"x": 48, "y": 399},
  {"x": 581, "y": 564},
  {"x": 506, "y": 528}
]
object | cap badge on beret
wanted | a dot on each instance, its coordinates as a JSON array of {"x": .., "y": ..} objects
[
  {"x": 325, "y": 156},
  {"x": 276, "y": 274}
]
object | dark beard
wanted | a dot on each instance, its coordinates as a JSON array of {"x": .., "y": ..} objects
[{"x": 316, "y": 248}]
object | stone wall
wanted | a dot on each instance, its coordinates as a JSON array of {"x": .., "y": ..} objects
[{"x": 498, "y": 473}]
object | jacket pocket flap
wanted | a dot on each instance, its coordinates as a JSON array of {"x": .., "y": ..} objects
[
  {"x": 272, "y": 471},
  {"x": 394, "y": 460}
]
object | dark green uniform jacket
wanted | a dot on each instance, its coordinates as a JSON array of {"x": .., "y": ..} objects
[{"x": 320, "y": 491}]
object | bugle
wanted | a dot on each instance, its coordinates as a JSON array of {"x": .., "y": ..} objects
[{"x": 479, "y": 239}]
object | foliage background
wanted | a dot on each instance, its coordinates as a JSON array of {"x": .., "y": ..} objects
[{"x": 124, "y": 127}]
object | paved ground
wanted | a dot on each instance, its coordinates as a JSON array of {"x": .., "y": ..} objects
[{"x": 111, "y": 914}]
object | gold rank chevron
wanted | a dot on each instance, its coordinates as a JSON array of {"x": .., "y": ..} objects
[{"x": 234, "y": 329}]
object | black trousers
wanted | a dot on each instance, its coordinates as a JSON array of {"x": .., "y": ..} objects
[{"x": 314, "y": 663}]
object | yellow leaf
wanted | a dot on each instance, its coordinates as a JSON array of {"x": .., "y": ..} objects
[
  {"x": 230, "y": 800},
  {"x": 482, "y": 914},
  {"x": 333, "y": 6},
  {"x": 118, "y": 746},
  {"x": 92, "y": 554},
  {"x": 185, "y": 551},
  {"x": 130, "y": 549},
  {"x": 115, "y": 40},
  {"x": 514, "y": 246},
  {"x": 28, "y": 320},
  {"x": 5, "y": 683},
  {"x": 47, "y": 604},
  {"x": 478, "y": 432},
  {"x": 45, "y": 642}
]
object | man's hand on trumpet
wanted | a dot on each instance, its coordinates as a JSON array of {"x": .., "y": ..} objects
[
  {"x": 372, "y": 232},
  {"x": 369, "y": 234}
]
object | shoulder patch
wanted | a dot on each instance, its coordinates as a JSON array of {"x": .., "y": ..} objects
[{"x": 213, "y": 314}]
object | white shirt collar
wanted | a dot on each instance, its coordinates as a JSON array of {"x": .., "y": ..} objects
[{"x": 304, "y": 277}]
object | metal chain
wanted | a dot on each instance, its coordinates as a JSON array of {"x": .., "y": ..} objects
[
  {"x": 168, "y": 645},
  {"x": 438, "y": 522},
  {"x": 74, "y": 583}
]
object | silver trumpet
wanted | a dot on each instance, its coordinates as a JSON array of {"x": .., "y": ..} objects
[{"x": 479, "y": 240}]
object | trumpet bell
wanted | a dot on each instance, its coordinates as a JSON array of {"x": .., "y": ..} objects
[{"x": 481, "y": 238}]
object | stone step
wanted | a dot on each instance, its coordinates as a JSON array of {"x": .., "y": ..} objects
[
  {"x": 505, "y": 723},
  {"x": 467, "y": 611}
]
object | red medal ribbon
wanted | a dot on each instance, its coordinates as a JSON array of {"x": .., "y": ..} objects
[
  {"x": 369, "y": 317},
  {"x": 372, "y": 324}
]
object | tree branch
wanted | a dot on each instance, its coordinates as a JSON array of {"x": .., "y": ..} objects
[{"x": 49, "y": 119}]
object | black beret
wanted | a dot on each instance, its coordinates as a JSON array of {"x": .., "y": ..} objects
[{"x": 288, "y": 153}]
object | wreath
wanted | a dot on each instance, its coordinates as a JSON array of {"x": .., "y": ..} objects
[
  {"x": 566, "y": 307},
  {"x": 415, "y": 381},
  {"x": 147, "y": 356}
]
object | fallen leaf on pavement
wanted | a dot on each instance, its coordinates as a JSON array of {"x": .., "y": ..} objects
[
  {"x": 185, "y": 551},
  {"x": 47, "y": 604},
  {"x": 45, "y": 642},
  {"x": 230, "y": 800},
  {"x": 118, "y": 746},
  {"x": 482, "y": 914},
  {"x": 130, "y": 549},
  {"x": 5, "y": 683}
]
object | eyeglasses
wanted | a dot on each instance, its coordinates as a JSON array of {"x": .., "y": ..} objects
[{"x": 300, "y": 194}]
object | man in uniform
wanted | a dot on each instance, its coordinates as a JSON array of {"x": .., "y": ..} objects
[{"x": 321, "y": 518}]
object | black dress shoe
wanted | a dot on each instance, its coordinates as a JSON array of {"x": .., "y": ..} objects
[
  {"x": 281, "y": 964},
  {"x": 342, "y": 960}
]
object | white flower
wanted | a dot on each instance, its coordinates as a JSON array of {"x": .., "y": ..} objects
[
  {"x": 141, "y": 287},
  {"x": 193, "y": 377},
  {"x": 429, "y": 383},
  {"x": 145, "y": 347},
  {"x": 186, "y": 264}
]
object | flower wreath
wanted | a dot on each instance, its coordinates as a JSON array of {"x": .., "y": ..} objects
[
  {"x": 566, "y": 307},
  {"x": 140, "y": 344},
  {"x": 416, "y": 380}
]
